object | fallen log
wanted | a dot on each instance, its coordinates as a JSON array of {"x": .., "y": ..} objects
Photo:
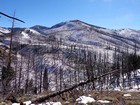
[{"x": 44, "y": 98}]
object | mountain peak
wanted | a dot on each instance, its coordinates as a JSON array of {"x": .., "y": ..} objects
[
  {"x": 72, "y": 24},
  {"x": 40, "y": 28},
  {"x": 36, "y": 27},
  {"x": 75, "y": 20},
  {"x": 58, "y": 25},
  {"x": 87, "y": 24}
]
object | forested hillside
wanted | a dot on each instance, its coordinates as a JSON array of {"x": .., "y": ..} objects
[{"x": 70, "y": 56}]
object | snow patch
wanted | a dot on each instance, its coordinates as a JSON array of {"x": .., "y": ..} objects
[
  {"x": 4, "y": 30},
  {"x": 32, "y": 31},
  {"x": 138, "y": 72},
  {"x": 26, "y": 36},
  {"x": 127, "y": 95},
  {"x": 27, "y": 102},
  {"x": 53, "y": 103},
  {"x": 103, "y": 101},
  {"x": 117, "y": 89},
  {"x": 85, "y": 100},
  {"x": 15, "y": 103}
]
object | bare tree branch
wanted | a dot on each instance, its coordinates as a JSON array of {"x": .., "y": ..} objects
[{"x": 11, "y": 17}]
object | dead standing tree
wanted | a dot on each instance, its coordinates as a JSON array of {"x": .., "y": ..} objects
[
  {"x": 12, "y": 30},
  {"x": 8, "y": 70}
]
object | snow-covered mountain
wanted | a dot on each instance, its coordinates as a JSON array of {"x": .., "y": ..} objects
[
  {"x": 74, "y": 32},
  {"x": 79, "y": 32}
]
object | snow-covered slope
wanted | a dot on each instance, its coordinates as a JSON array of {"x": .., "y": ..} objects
[
  {"x": 78, "y": 32},
  {"x": 40, "y": 29},
  {"x": 4, "y": 30}
]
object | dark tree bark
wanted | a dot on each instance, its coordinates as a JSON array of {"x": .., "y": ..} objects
[{"x": 45, "y": 80}]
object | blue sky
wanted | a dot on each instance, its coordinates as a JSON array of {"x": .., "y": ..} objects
[{"x": 113, "y": 14}]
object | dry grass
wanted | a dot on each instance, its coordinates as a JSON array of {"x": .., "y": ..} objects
[
  {"x": 69, "y": 98},
  {"x": 133, "y": 103},
  {"x": 134, "y": 99}
]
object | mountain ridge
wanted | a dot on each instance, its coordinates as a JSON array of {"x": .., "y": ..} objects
[
  {"x": 64, "y": 22},
  {"x": 78, "y": 32}
]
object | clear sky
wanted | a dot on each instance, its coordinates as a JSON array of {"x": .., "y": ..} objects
[{"x": 113, "y": 14}]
